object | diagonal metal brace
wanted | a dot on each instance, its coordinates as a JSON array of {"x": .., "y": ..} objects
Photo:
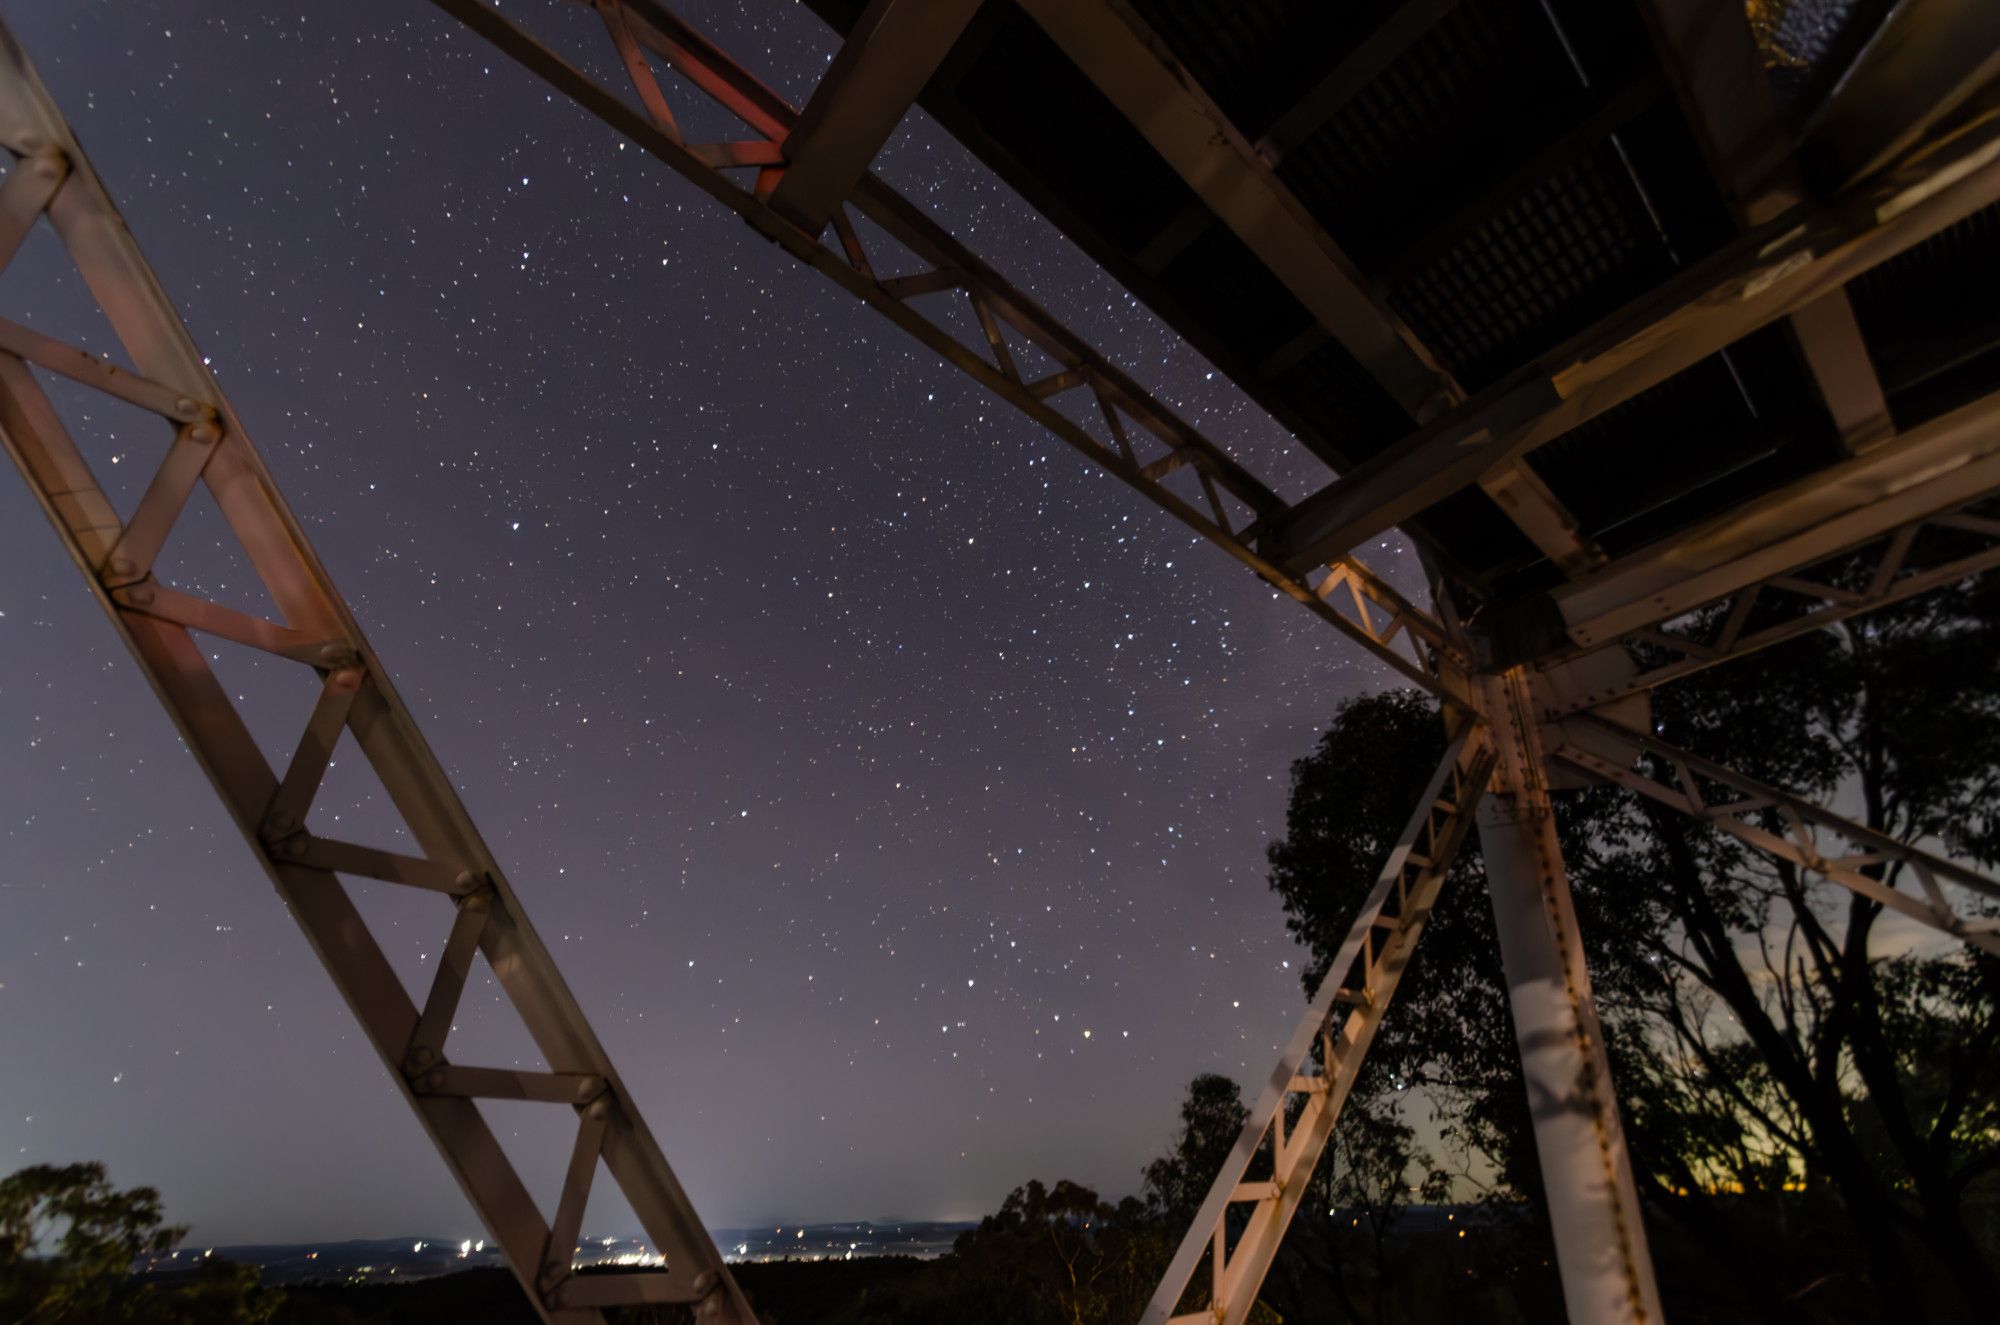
[{"x": 1361, "y": 979}]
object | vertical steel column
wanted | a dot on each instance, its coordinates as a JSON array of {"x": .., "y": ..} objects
[{"x": 1593, "y": 1202}]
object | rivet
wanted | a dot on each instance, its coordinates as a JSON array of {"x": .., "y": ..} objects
[
  {"x": 141, "y": 596},
  {"x": 434, "y": 1079},
  {"x": 122, "y": 566},
  {"x": 204, "y": 432}
]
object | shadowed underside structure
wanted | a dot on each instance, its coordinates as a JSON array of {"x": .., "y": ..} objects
[{"x": 1643, "y": 321}]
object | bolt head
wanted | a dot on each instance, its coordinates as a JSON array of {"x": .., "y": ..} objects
[
  {"x": 204, "y": 432},
  {"x": 123, "y": 566},
  {"x": 141, "y": 596}
]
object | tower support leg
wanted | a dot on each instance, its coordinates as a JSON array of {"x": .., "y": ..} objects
[{"x": 1593, "y": 1203}]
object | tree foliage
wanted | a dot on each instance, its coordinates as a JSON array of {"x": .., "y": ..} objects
[
  {"x": 69, "y": 1242},
  {"x": 1212, "y": 1116}
]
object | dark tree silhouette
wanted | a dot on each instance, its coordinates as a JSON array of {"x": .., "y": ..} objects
[
  {"x": 69, "y": 1242},
  {"x": 1792, "y": 1067}
]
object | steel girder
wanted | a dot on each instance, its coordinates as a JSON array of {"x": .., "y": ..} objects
[
  {"x": 206, "y": 444},
  {"x": 1131, "y": 435},
  {"x": 1294, "y": 1117}
]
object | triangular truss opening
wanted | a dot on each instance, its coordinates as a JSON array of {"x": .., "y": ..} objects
[
  {"x": 352, "y": 805},
  {"x": 203, "y": 559},
  {"x": 124, "y": 444},
  {"x": 274, "y": 696},
  {"x": 484, "y": 1030}
]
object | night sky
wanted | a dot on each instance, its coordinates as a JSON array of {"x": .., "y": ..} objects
[{"x": 891, "y": 786}]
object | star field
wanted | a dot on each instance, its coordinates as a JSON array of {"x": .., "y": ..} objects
[{"x": 891, "y": 785}]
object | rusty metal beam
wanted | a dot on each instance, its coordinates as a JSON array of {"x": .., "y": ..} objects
[{"x": 1139, "y": 440}]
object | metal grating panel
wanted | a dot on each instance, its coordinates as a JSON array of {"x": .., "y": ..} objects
[
  {"x": 1730, "y": 427},
  {"x": 1569, "y": 252},
  {"x": 1257, "y": 58},
  {"x": 1440, "y": 119},
  {"x": 1330, "y": 389},
  {"x": 1935, "y": 348},
  {"x": 1035, "y": 105},
  {"x": 1221, "y": 282}
]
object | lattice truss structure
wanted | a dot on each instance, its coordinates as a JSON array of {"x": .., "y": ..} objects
[
  {"x": 170, "y": 631},
  {"x": 1906, "y": 512}
]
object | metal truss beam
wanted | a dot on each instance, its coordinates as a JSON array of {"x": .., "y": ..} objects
[
  {"x": 205, "y": 444},
  {"x": 1773, "y": 271},
  {"x": 1289, "y": 1128},
  {"x": 1130, "y": 434},
  {"x": 1903, "y": 519},
  {"x": 1784, "y": 825},
  {"x": 894, "y": 49}
]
